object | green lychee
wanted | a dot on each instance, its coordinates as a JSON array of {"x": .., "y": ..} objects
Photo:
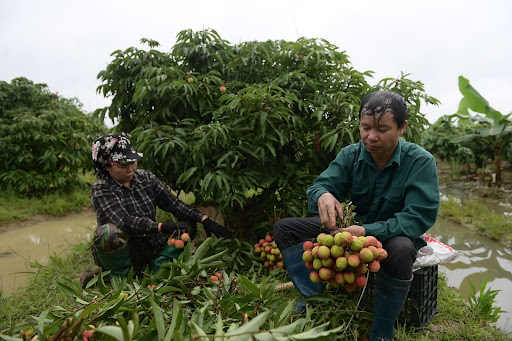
[
  {"x": 317, "y": 263},
  {"x": 329, "y": 262},
  {"x": 307, "y": 256},
  {"x": 356, "y": 245},
  {"x": 349, "y": 277},
  {"x": 341, "y": 263},
  {"x": 328, "y": 240},
  {"x": 324, "y": 252},
  {"x": 365, "y": 255},
  {"x": 337, "y": 251}
]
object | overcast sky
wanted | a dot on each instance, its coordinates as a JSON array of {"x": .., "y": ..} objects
[{"x": 65, "y": 44}]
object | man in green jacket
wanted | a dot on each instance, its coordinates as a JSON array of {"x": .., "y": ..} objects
[{"x": 394, "y": 186}]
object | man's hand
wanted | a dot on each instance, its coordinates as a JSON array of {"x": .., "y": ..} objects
[
  {"x": 328, "y": 208},
  {"x": 355, "y": 230}
]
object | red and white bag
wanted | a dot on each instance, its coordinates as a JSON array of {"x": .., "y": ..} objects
[{"x": 434, "y": 253}]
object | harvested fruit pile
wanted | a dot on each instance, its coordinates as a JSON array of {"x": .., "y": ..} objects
[
  {"x": 343, "y": 259},
  {"x": 269, "y": 253}
]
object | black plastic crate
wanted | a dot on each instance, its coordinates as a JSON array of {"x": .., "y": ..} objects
[{"x": 421, "y": 303}]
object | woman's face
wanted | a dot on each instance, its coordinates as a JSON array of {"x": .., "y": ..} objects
[{"x": 123, "y": 173}]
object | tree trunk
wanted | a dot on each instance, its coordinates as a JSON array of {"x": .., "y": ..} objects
[{"x": 497, "y": 165}]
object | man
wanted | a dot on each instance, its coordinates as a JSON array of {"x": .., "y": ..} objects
[{"x": 395, "y": 189}]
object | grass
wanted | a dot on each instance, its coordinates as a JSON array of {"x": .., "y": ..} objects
[
  {"x": 14, "y": 208},
  {"x": 479, "y": 217}
]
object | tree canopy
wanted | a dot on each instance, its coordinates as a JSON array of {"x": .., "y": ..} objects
[
  {"x": 45, "y": 139},
  {"x": 245, "y": 127}
]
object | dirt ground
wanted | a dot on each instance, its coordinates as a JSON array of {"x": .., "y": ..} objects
[{"x": 477, "y": 185}]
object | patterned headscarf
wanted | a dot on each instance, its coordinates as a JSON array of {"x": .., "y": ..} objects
[{"x": 112, "y": 150}]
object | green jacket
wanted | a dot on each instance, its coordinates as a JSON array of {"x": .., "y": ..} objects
[{"x": 402, "y": 200}]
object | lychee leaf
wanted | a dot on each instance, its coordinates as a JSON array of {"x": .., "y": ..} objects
[
  {"x": 281, "y": 332},
  {"x": 251, "y": 326},
  {"x": 315, "y": 334},
  {"x": 249, "y": 286}
]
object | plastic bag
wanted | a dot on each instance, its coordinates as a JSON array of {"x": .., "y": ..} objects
[{"x": 434, "y": 253}]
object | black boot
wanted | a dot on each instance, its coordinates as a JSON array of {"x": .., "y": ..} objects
[
  {"x": 390, "y": 296},
  {"x": 299, "y": 274}
]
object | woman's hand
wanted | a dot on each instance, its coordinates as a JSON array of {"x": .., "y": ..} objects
[{"x": 212, "y": 227}]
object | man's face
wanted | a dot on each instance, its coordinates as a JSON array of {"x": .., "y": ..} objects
[
  {"x": 123, "y": 173},
  {"x": 380, "y": 135}
]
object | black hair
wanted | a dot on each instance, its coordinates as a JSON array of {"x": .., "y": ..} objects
[
  {"x": 377, "y": 103},
  {"x": 101, "y": 170}
]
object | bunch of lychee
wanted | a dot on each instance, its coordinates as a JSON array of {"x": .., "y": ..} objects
[
  {"x": 343, "y": 260},
  {"x": 179, "y": 242},
  {"x": 269, "y": 253}
]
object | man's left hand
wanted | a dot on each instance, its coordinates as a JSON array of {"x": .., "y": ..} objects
[{"x": 355, "y": 230}]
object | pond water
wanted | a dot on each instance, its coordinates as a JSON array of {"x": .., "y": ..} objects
[
  {"x": 35, "y": 243},
  {"x": 481, "y": 258}
]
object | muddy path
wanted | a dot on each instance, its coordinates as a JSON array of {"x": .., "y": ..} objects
[{"x": 36, "y": 240}]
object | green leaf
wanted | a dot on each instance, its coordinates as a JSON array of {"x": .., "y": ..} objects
[
  {"x": 177, "y": 317},
  {"x": 263, "y": 122},
  {"x": 115, "y": 332},
  {"x": 184, "y": 177},
  {"x": 251, "y": 326},
  {"x": 474, "y": 100},
  {"x": 251, "y": 287},
  {"x": 159, "y": 319},
  {"x": 281, "y": 333},
  {"x": 317, "y": 333}
]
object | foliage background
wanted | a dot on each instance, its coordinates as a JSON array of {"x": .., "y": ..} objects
[
  {"x": 253, "y": 149},
  {"x": 45, "y": 139}
]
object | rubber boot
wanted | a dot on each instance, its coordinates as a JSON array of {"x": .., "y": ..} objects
[
  {"x": 299, "y": 275},
  {"x": 389, "y": 299}
]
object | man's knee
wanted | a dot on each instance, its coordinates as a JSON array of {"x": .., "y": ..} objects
[
  {"x": 281, "y": 229},
  {"x": 401, "y": 256}
]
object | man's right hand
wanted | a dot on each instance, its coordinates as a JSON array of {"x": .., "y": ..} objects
[{"x": 329, "y": 208}]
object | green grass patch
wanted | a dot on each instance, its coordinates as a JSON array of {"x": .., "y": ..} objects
[
  {"x": 14, "y": 208},
  {"x": 491, "y": 224}
]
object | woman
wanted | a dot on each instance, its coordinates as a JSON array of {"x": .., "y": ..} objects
[{"x": 125, "y": 200}]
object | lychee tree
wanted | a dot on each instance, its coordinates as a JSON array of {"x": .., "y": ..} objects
[
  {"x": 45, "y": 139},
  {"x": 246, "y": 126}
]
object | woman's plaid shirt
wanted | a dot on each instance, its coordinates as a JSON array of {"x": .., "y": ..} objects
[{"x": 134, "y": 209}]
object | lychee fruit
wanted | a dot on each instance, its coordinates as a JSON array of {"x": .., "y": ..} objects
[
  {"x": 374, "y": 266},
  {"x": 324, "y": 252}
]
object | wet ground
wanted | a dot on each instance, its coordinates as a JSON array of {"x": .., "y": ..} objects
[{"x": 36, "y": 242}]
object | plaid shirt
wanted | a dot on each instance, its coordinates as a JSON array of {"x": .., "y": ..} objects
[{"x": 134, "y": 210}]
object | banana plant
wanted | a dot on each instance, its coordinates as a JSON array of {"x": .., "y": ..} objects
[{"x": 495, "y": 129}]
